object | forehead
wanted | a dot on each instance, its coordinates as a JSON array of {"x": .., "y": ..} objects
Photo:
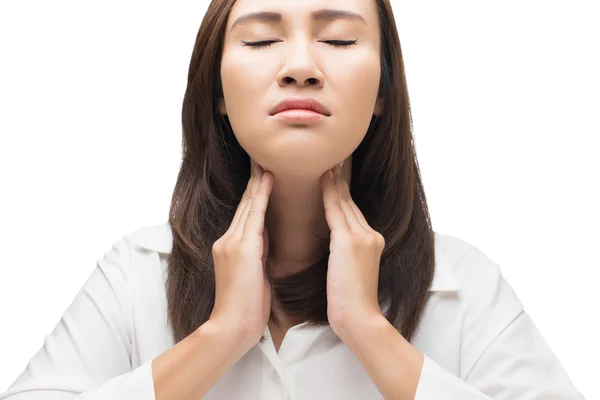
[{"x": 304, "y": 11}]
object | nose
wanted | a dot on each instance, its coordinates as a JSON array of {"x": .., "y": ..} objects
[{"x": 300, "y": 67}]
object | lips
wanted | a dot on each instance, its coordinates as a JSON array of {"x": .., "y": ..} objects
[{"x": 300, "y": 104}]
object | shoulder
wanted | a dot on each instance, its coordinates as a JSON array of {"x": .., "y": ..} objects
[
  {"x": 486, "y": 302},
  {"x": 470, "y": 266},
  {"x": 131, "y": 253},
  {"x": 157, "y": 238}
]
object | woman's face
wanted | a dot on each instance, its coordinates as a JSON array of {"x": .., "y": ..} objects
[{"x": 299, "y": 63}]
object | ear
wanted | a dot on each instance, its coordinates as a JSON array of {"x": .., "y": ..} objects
[
  {"x": 222, "y": 108},
  {"x": 379, "y": 107}
]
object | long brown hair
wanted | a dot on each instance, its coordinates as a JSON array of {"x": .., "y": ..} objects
[{"x": 385, "y": 185}]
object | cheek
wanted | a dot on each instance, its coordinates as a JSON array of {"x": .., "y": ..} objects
[
  {"x": 243, "y": 91},
  {"x": 242, "y": 80},
  {"x": 232, "y": 78},
  {"x": 356, "y": 87},
  {"x": 359, "y": 82}
]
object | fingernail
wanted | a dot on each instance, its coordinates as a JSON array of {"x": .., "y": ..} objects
[{"x": 341, "y": 165}]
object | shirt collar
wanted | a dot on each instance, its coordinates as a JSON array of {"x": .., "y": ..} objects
[{"x": 159, "y": 238}]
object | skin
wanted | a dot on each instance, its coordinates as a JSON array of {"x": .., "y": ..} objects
[
  {"x": 344, "y": 79},
  {"x": 304, "y": 197}
]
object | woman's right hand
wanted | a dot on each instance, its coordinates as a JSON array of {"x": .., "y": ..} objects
[{"x": 242, "y": 292}]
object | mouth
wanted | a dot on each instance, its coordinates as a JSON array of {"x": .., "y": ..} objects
[
  {"x": 300, "y": 106},
  {"x": 299, "y": 115}
]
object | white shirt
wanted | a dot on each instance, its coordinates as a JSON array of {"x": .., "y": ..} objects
[{"x": 477, "y": 340}]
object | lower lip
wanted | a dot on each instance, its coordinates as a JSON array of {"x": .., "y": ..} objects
[{"x": 299, "y": 115}]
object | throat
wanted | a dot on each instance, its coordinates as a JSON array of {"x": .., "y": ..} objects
[
  {"x": 277, "y": 335},
  {"x": 278, "y": 332}
]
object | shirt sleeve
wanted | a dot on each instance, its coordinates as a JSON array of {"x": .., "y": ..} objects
[
  {"x": 503, "y": 354},
  {"x": 88, "y": 354}
]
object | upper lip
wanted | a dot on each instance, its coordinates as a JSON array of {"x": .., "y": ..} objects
[{"x": 300, "y": 103}]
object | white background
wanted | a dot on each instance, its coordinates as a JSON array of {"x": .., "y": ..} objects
[{"x": 506, "y": 104}]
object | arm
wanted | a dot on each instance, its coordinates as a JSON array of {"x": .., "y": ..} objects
[
  {"x": 503, "y": 355},
  {"x": 87, "y": 355},
  {"x": 391, "y": 361},
  {"x": 194, "y": 365}
]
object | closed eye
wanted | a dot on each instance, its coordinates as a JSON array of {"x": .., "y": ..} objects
[
  {"x": 266, "y": 43},
  {"x": 340, "y": 43}
]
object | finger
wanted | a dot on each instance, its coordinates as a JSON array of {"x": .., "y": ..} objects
[
  {"x": 265, "y": 245},
  {"x": 343, "y": 191},
  {"x": 252, "y": 182},
  {"x": 360, "y": 216},
  {"x": 249, "y": 199},
  {"x": 242, "y": 203},
  {"x": 255, "y": 221},
  {"x": 334, "y": 213},
  {"x": 353, "y": 215}
]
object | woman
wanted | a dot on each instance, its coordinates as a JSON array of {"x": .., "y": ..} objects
[{"x": 280, "y": 273}]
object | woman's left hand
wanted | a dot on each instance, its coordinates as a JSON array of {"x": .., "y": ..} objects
[{"x": 355, "y": 254}]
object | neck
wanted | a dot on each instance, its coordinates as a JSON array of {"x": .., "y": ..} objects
[{"x": 295, "y": 217}]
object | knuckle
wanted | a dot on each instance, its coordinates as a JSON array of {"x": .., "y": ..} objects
[
  {"x": 218, "y": 247},
  {"x": 375, "y": 240},
  {"x": 380, "y": 240},
  {"x": 336, "y": 204},
  {"x": 366, "y": 240},
  {"x": 372, "y": 241},
  {"x": 254, "y": 210}
]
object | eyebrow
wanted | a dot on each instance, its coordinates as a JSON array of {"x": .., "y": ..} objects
[{"x": 318, "y": 15}]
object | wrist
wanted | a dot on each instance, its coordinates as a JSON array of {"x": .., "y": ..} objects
[
  {"x": 364, "y": 328},
  {"x": 226, "y": 336}
]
